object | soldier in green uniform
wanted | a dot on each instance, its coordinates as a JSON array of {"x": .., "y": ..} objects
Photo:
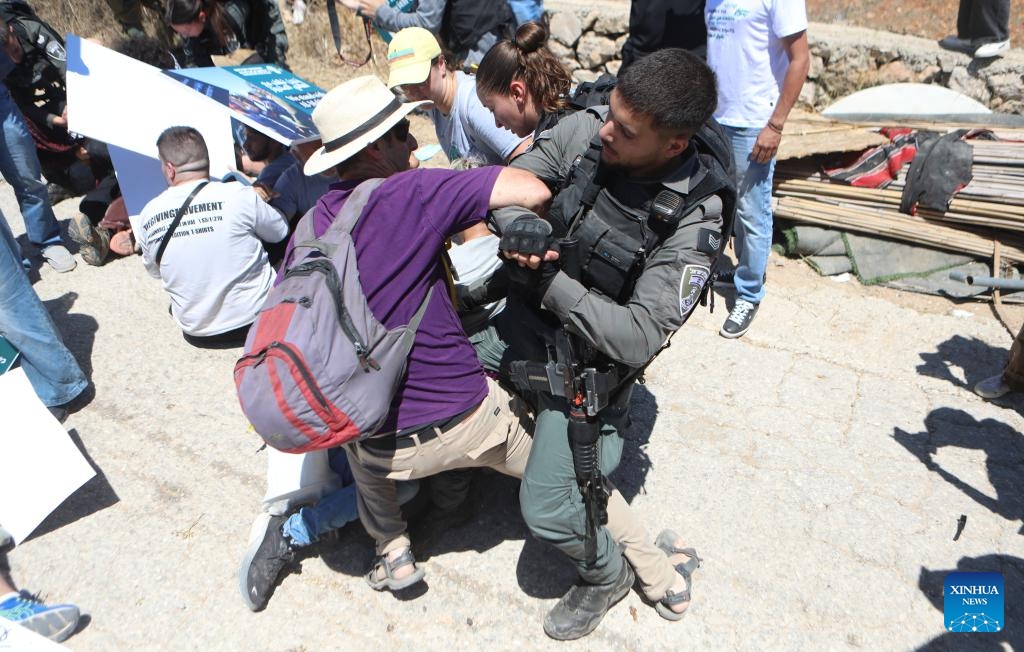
[{"x": 638, "y": 211}]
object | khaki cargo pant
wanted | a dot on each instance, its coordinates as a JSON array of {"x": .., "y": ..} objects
[
  {"x": 496, "y": 435},
  {"x": 1013, "y": 373}
]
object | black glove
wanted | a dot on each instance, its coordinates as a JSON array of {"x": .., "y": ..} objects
[
  {"x": 531, "y": 284},
  {"x": 527, "y": 235}
]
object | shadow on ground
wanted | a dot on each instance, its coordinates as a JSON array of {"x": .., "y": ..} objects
[
  {"x": 494, "y": 517},
  {"x": 931, "y": 583},
  {"x": 978, "y": 360},
  {"x": 78, "y": 331},
  {"x": 94, "y": 496},
  {"x": 1004, "y": 450}
]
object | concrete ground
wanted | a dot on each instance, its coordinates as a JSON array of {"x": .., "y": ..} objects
[{"x": 820, "y": 465}]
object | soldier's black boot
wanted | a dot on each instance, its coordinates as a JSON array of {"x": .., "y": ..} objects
[{"x": 580, "y": 611}]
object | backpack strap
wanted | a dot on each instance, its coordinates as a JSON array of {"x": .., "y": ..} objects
[{"x": 174, "y": 224}]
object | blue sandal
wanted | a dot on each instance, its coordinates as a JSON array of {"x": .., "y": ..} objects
[
  {"x": 666, "y": 541},
  {"x": 389, "y": 581}
]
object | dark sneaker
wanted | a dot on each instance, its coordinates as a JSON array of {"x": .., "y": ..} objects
[
  {"x": 93, "y": 242},
  {"x": 957, "y": 44},
  {"x": 580, "y": 611},
  {"x": 5, "y": 538},
  {"x": 739, "y": 320},
  {"x": 55, "y": 622},
  {"x": 268, "y": 554},
  {"x": 58, "y": 193}
]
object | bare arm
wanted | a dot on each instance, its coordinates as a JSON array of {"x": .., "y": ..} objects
[
  {"x": 515, "y": 187},
  {"x": 768, "y": 140}
]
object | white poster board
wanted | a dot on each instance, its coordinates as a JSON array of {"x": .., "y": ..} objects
[
  {"x": 128, "y": 104},
  {"x": 40, "y": 465}
]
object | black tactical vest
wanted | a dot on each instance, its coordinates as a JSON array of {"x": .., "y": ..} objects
[{"x": 616, "y": 234}]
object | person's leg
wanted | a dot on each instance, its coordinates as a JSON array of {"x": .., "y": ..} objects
[
  {"x": 984, "y": 21},
  {"x": 554, "y": 510},
  {"x": 1013, "y": 373},
  {"x": 49, "y": 366},
  {"x": 551, "y": 502},
  {"x": 753, "y": 231},
  {"x": 55, "y": 622},
  {"x": 19, "y": 164}
]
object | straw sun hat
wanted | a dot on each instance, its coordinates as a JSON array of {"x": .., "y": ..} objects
[{"x": 350, "y": 117}]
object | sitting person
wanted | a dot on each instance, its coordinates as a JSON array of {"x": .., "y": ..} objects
[
  {"x": 294, "y": 193},
  {"x": 465, "y": 128},
  {"x": 214, "y": 268},
  {"x": 261, "y": 148},
  {"x": 38, "y": 86}
]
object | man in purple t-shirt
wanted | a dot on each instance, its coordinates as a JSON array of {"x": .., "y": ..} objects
[{"x": 447, "y": 414}]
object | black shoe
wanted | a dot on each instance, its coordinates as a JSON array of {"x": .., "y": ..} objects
[
  {"x": 738, "y": 322},
  {"x": 268, "y": 554},
  {"x": 580, "y": 611}
]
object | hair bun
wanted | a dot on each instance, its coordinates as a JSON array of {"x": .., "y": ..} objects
[{"x": 530, "y": 37}]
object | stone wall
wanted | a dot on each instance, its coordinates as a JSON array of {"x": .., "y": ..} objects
[{"x": 588, "y": 36}]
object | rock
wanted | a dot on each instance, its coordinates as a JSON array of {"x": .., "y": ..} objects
[
  {"x": 593, "y": 51},
  {"x": 929, "y": 74},
  {"x": 895, "y": 72},
  {"x": 612, "y": 24},
  {"x": 816, "y": 68},
  {"x": 590, "y": 19},
  {"x": 566, "y": 28},
  {"x": 962, "y": 81},
  {"x": 613, "y": 66},
  {"x": 807, "y": 94},
  {"x": 1009, "y": 86},
  {"x": 565, "y": 54},
  {"x": 580, "y": 76}
]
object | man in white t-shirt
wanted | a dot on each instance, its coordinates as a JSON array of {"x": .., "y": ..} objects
[
  {"x": 214, "y": 266},
  {"x": 758, "y": 49}
]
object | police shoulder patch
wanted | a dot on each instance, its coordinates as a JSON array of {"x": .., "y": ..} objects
[{"x": 692, "y": 283}]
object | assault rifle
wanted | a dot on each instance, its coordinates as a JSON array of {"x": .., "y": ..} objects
[{"x": 571, "y": 375}]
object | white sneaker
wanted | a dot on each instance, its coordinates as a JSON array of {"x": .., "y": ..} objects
[
  {"x": 994, "y": 387},
  {"x": 989, "y": 50},
  {"x": 59, "y": 258}
]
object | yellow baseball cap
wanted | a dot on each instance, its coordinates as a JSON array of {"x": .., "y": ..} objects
[{"x": 409, "y": 55}]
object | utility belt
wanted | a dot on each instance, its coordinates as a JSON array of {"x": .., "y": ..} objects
[{"x": 407, "y": 437}]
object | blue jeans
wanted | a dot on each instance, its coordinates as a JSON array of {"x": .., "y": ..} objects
[
  {"x": 753, "y": 229},
  {"x": 19, "y": 164},
  {"x": 50, "y": 367},
  {"x": 337, "y": 508},
  {"x": 526, "y": 10}
]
